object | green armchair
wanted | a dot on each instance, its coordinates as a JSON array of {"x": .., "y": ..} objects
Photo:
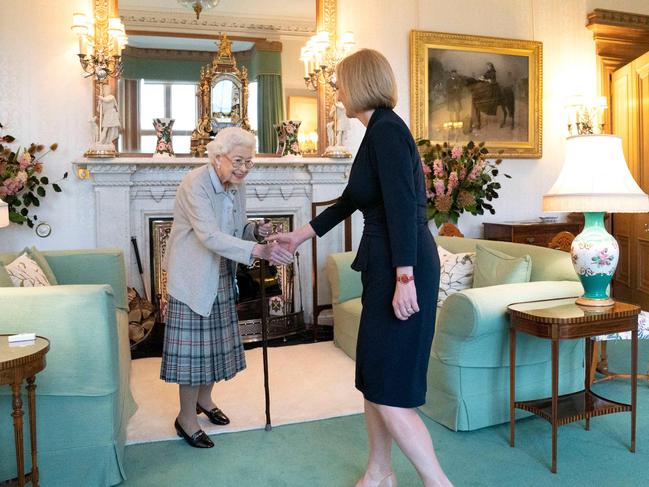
[
  {"x": 83, "y": 400},
  {"x": 468, "y": 372}
]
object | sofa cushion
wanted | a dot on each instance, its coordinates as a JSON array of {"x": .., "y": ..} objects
[
  {"x": 5, "y": 280},
  {"x": 456, "y": 273},
  {"x": 493, "y": 267},
  {"x": 25, "y": 272},
  {"x": 345, "y": 282},
  {"x": 40, "y": 259}
]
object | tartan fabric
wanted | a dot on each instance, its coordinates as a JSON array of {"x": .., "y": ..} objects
[{"x": 199, "y": 350}]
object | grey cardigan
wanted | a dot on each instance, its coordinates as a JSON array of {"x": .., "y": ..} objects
[{"x": 196, "y": 243}]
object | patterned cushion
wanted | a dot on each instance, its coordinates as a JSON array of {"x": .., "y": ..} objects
[
  {"x": 456, "y": 273},
  {"x": 24, "y": 272},
  {"x": 643, "y": 330}
]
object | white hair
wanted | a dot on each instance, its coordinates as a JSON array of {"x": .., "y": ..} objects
[{"x": 229, "y": 138}]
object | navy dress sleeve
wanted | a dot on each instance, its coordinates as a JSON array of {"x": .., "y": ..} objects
[
  {"x": 333, "y": 215},
  {"x": 391, "y": 155}
]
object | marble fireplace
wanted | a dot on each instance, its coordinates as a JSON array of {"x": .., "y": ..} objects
[{"x": 132, "y": 191}]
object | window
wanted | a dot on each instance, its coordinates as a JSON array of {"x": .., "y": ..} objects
[
  {"x": 252, "y": 109},
  {"x": 175, "y": 100}
]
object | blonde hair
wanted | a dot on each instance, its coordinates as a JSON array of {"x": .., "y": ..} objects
[
  {"x": 227, "y": 139},
  {"x": 368, "y": 81}
]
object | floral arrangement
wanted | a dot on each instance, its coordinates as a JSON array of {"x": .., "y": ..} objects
[
  {"x": 459, "y": 179},
  {"x": 22, "y": 181}
]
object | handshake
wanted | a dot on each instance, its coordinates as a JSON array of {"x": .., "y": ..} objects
[{"x": 279, "y": 247}]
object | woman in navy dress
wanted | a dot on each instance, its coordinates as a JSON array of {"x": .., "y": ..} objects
[{"x": 399, "y": 269}]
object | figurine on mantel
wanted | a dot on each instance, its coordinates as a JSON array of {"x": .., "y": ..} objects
[
  {"x": 107, "y": 131},
  {"x": 337, "y": 130}
]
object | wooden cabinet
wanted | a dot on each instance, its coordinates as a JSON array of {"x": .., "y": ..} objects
[{"x": 532, "y": 233}]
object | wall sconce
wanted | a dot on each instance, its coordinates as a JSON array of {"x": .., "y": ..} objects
[
  {"x": 320, "y": 57},
  {"x": 100, "y": 46},
  {"x": 585, "y": 115}
]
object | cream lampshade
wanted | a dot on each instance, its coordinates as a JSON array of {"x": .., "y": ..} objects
[
  {"x": 4, "y": 214},
  {"x": 595, "y": 179}
]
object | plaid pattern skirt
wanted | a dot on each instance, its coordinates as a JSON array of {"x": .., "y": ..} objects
[{"x": 199, "y": 350}]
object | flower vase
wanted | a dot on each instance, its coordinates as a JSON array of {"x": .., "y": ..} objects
[
  {"x": 287, "y": 143},
  {"x": 163, "y": 147}
]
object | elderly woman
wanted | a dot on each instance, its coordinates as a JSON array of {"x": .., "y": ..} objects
[{"x": 208, "y": 237}]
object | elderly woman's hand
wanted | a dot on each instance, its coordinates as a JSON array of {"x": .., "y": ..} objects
[
  {"x": 275, "y": 253},
  {"x": 263, "y": 230}
]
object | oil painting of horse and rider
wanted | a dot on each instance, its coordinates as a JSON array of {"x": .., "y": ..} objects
[{"x": 477, "y": 95}]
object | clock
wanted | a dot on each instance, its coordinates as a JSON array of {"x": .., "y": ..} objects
[{"x": 43, "y": 229}]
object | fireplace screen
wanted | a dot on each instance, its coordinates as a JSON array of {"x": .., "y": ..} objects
[{"x": 283, "y": 316}]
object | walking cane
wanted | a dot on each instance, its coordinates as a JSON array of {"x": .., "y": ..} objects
[{"x": 264, "y": 339}]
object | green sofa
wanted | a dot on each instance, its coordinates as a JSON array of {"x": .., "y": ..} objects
[
  {"x": 468, "y": 372},
  {"x": 83, "y": 399}
]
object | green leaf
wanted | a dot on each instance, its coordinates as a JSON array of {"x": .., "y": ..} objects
[
  {"x": 65, "y": 175},
  {"x": 40, "y": 191},
  {"x": 44, "y": 180},
  {"x": 30, "y": 223},
  {"x": 56, "y": 187},
  {"x": 24, "y": 212},
  {"x": 16, "y": 218}
]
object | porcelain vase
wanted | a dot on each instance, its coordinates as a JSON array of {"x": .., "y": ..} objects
[
  {"x": 595, "y": 254},
  {"x": 287, "y": 143},
  {"x": 163, "y": 128}
]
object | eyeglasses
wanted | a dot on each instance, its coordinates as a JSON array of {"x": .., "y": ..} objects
[{"x": 238, "y": 162}]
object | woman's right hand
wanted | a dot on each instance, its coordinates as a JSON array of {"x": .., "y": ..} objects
[
  {"x": 275, "y": 253},
  {"x": 293, "y": 240}
]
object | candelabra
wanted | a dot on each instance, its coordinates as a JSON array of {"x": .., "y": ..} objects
[
  {"x": 101, "y": 42},
  {"x": 585, "y": 115},
  {"x": 320, "y": 57},
  {"x": 100, "y": 46}
]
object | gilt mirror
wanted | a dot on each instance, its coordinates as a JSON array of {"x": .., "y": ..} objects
[{"x": 168, "y": 48}]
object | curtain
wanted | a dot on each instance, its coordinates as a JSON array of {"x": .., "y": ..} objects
[
  {"x": 270, "y": 110},
  {"x": 129, "y": 108}
]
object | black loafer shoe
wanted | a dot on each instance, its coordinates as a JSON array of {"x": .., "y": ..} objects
[
  {"x": 197, "y": 440},
  {"x": 216, "y": 416}
]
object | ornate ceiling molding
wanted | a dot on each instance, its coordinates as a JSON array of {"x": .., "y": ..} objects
[{"x": 186, "y": 23}]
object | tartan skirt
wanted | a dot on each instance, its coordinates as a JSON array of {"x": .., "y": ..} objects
[{"x": 199, "y": 350}]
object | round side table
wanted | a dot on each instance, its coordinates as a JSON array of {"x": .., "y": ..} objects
[{"x": 22, "y": 361}]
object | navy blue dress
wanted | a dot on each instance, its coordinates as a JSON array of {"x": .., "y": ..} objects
[{"x": 387, "y": 184}]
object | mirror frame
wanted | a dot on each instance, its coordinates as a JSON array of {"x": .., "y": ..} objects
[{"x": 326, "y": 17}]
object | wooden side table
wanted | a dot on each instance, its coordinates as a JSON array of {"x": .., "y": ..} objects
[
  {"x": 562, "y": 319},
  {"x": 20, "y": 362}
]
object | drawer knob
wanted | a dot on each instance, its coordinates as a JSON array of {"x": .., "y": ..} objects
[{"x": 530, "y": 240}]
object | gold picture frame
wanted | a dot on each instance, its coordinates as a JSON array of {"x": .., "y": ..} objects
[{"x": 485, "y": 89}]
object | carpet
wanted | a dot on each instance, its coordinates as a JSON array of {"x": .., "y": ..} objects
[
  {"x": 333, "y": 452},
  {"x": 307, "y": 383}
]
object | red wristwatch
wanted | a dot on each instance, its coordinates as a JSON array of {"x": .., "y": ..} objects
[{"x": 405, "y": 278}]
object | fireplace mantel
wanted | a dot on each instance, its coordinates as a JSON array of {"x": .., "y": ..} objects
[{"x": 129, "y": 191}]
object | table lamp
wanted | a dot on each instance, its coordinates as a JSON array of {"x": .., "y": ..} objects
[
  {"x": 595, "y": 179},
  {"x": 4, "y": 214}
]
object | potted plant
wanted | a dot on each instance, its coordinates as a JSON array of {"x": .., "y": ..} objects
[{"x": 458, "y": 179}]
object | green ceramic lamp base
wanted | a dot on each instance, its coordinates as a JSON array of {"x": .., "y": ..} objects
[{"x": 595, "y": 254}]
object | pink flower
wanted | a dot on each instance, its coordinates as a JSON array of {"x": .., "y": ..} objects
[
  {"x": 463, "y": 173},
  {"x": 295, "y": 147},
  {"x": 21, "y": 177},
  {"x": 438, "y": 185},
  {"x": 438, "y": 168},
  {"x": 452, "y": 182},
  {"x": 456, "y": 152},
  {"x": 476, "y": 171},
  {"x": 426, "y": 168},
  {"x": 12, "y": 186},
  {"x": 24, "y": 160}
]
